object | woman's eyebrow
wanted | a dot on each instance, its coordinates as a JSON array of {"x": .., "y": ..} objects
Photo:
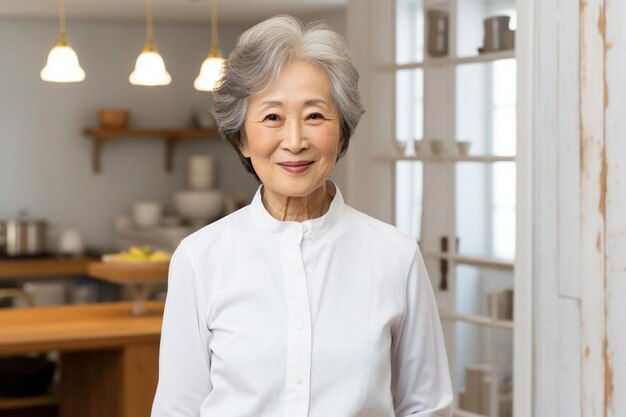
[
  {"x": 270, "y": 103},
  {"x": 310, "y": 102},
  {"x": 315, "y": 101}
]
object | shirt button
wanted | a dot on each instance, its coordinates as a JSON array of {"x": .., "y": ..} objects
[
  {"x": 298, "y": 380},
  {"x": 301, "y": 327},
  {"x": 306, "y": 228}
]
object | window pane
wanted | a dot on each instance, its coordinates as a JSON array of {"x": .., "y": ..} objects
[
  {"x": 473, "y": 105},
  {"x": 504, "y": 82},
  {"x": 473, "y": 225},
  {"x": 409, "y": 31},
  {"x": 409, "y": 105},
  {"x": 409, "y": 191},
  {"x": 504, "y": 232},
  {"x": 480, "y": 350},
  {"x": 504, "y": 184}
]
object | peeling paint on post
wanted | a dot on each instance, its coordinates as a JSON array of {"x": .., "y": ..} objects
[
  {"x": 596, "y": 397},
  {"x": 614, "y": 177},
  {"x": 603, "y": 204}
]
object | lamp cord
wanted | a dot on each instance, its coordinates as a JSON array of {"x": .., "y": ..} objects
[
  {"x": 149, "y": 31},
  {"x": 61, "y": 17},
  {"x": 214, "y": 43}
]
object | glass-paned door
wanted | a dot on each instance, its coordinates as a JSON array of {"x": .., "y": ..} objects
[{"x": 455, "y": 111}]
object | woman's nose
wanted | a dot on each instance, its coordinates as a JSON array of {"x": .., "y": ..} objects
[{"x": 294, "y": 139}]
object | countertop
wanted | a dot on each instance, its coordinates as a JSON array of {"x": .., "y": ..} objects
[{"x": 78, "y": 327}]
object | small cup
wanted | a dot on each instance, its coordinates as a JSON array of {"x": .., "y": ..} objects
[
  {"x": 437, "y": 147},
  {"x": 400, "y": 146},
  {"x": 463, "y": 148},
  {"x": 147, "y": 214},
  {"x": 70, "y": 242},
  {"x": 201, "y": 172},
  {"x": 419, "y": 148}
]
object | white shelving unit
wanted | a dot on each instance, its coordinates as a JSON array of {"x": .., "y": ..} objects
[
  {"x": 432, "y": 100},
  {"x": 447, "y": 158},
  {"x": 480, "y": 261},
  {"x": 477, "y": 320},
  {"x": 447, "y": 62}
]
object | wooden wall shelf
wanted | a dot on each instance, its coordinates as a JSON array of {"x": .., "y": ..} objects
[{"x": 172, "y": 137}]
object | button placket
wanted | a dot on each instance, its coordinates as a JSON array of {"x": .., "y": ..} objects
[{"x": 298, "y": 338}]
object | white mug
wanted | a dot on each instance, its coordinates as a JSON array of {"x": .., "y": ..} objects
[
  {"x": 147, "y": 214},
  {"x": 70, "y": 242}
]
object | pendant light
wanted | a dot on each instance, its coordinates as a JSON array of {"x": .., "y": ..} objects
[
  {"x": 211, "y": 70},
  {"x": 149, "y": 68},
  {"x": 62, "y": 65}
]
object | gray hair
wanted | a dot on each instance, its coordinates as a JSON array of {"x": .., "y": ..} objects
[{"x": 258, "y": 60}]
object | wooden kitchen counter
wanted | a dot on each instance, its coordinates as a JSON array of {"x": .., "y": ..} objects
[
  {"x": 78, "y": 327},
  {"x": 109, "y": 358},
  {"x": 11, "y": 269}
]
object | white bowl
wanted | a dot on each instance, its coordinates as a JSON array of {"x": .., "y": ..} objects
[{"x": 199, "y": 204}]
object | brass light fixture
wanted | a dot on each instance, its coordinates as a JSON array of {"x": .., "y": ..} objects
[
  {"x": 62, "y": 65},
  {"x": 149, "y": 68},
  {"x": 212, "y": 67}
]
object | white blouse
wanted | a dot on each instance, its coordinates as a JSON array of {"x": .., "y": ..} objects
[{"x": 329, "y": 317}]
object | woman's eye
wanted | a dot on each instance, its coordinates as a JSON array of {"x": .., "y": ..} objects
[
  {"x": 315, "y": 116},
  {"x": 272, "y": 117}
]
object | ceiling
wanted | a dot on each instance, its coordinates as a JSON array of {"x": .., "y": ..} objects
[{"x": 232, "y": 11}]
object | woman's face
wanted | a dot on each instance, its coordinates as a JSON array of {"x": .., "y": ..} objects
[{"x": 296, "y": 122}]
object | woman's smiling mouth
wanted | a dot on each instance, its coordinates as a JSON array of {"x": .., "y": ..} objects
[{"x": 296, "y": 167}]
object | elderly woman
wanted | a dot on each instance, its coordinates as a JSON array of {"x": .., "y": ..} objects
[{"x": 297, "y": 305}]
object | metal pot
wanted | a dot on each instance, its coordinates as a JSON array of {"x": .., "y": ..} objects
[{"x": 25, "y": 236}]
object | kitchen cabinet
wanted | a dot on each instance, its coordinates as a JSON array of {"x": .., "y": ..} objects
[
  {"x": 172, "y": 138},
  {"x": 108, "y": 357}
]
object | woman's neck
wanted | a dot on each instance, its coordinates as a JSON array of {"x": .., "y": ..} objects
[{"x": 298, "y": 209}]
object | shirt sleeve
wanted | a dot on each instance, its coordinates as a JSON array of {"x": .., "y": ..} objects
[
  {"x": 184, "y": 358},
  {"x": 420, "y": 375}
]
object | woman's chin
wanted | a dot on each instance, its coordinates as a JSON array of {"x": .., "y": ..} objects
[{"x": 294, "y": 187}]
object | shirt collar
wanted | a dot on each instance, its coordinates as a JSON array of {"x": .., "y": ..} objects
[{"x": 290, "y": 231}]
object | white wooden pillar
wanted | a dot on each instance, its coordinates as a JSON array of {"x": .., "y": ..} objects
[{"x": 603, "y": 206}]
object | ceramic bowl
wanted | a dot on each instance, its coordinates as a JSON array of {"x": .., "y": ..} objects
[
  {"x": 437, "y": 147},
  {"x": 464, "y": 148},
  {"x": 113, "y": 118},
  {"x": 196, "y": 205}
]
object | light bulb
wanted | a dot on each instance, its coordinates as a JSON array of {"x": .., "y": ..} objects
[
  {"x": 62, "y": 65},
  {"x": 210, "y": 74},
  {"x": 150, "y": 69}
]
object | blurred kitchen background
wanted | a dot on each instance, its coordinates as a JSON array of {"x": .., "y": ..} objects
[{"x": 471, "y": 144}]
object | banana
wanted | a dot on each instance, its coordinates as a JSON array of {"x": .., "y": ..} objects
[{"x": 141, "y": 254}]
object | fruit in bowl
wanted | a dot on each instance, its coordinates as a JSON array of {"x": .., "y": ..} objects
[
  {"x": 199, "y": 204},
  {"x": 136, "y": 254}
]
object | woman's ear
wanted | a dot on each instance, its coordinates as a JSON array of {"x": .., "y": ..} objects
[{"x": 244, "y": 150}]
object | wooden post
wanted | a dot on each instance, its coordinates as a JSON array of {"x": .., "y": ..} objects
[{"x": 603, "y": 194}]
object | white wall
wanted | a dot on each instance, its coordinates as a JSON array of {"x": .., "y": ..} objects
[{"x": 45, "y": 160}]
